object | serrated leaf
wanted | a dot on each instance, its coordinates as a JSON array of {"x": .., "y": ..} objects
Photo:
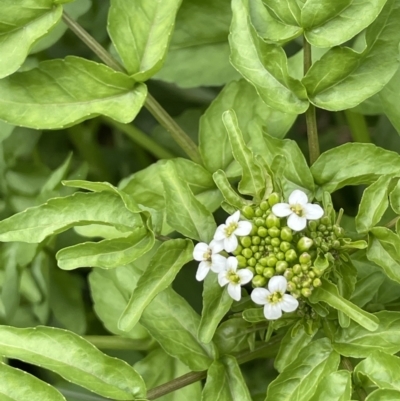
[
  {"x": 356, "y": 341},
  {"x": 141, "y": 32},
  {"x": 329, "y": 294},
  {"x": 343, "y": 77},
  {"x": 49, "y": 91},
  {"x": 373, "y": 205},
  {"x": 184, "y": 212},
  {"x": 173, "y": 323},
  {"x": 264, "y": 65},
  {"x": 360, "y": 163},
  {"x": 59, "y": 214},
  {"x": 73, "y": 358},
  {"x": 166, "y": 263},
  {"x": 216, "y": 304},
  {"x": 229, "y": 194},
  {"x": 344, "y": 25},
  {"x": 17, "y": 385},
  {"x": 335, "y": 387},
  {"x": 300, "y": 378},
  {"x": 21, "y": 26}
]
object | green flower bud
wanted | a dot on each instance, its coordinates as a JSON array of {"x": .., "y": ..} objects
[
  {"x": 273, "y": 199},
  {"x": 305, "y": 267},
  {"x": 291, "y": 255},
  {"x": 317, "y": 282},
  {"x": 325, "y": 247},
  {"x": 276, "y": 242},
  {"x": 268, "y": 272},
  {"x": 252, "y": 262},
  {"x": 305, "y": 258},
  {"x": 322, "y": 228},
  {"x": 258, "y": 212},
  {"x": 247, "y": 253},
  {"x": 262, "y": 232},
  {"x": 296, "y": 293},
  {"x": 280, "y": 255},
  {"x": 242, "y": 261},
  {"x": 254, "y": 248},
  {"x": 270, "y": 248},
  {"x": 306, "y": 292},
  {"x": 245, "y": 241},
  {"x": 259, "y": 221},
  {"x": 257, "y": 255},
  {"x": 296, "y": 269},
  {"x": 254, "y": 230},
  {"x": 286, "y": 234},
  {"x": 271, "y": 261},
  {"x": 259, "y": 281},
  {"x": 264, "y": 205},
  {"x": 274, "y": 232},
  {"x": 318, "y": 272},
  {"x": 288, "y": 274},
  {"x": 263, "y": 261},
  {"x": 313, "y": 235},
  {"x": 259, "y": 268},
  {"x": 248, "y": 212},
  {"x": 255, "y": 240},
  {"x": 281, "y": 266},
  {"x": 261, "y": 248},
  {"x": 268, "y": 240},
  {"x": 272, "y": 221},
  {"x": 339, "y": 231},
  {"x": 291, "y": 286},
  {"x": 329, "y": 227},
  {"x": 311, "y": 274},
  {"x": 251, "y": 269},
  {"x": 326, "y": 221},
  {"x": 336, "y": 244},
  {"x": 312, "y": 225},
  {"x": 276, "y": 250},
  {"x": 238, "y": 250},
  {"x": 304, "y": 244},
  {"x": 285, "y": 246},
  {"x": 306, "y": 283},
  {"x": 296, "y": 280}
]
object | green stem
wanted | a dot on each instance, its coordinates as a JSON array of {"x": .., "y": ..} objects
[
  {"x": 392, "y": 222},
  {"x": 141, "y": 139},
  {"x": 311, "y": 120},
  {"x": 151, "y": 104},
  {"x": 346, "y": 363},
  {"x": 358, "y": 127}
]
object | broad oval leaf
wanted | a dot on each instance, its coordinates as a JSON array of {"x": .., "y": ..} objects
[
  {"x": 169, "y": 258},
  {"x": 47, "y": 97},
  {"x": 17, "y": 385},
  {"x": 357, "y": 342},
  {"x": 263, "y": 64},
  {"x": 299, "y": 379},
  {"x": 59, "y": 214},
  {"x": 335, "y": 387},
  {"x": 384, "y": 395},
  {"x": 395, "y": 198},
  {"x": 343, "y": 77},
  {"x": 23, "y": 24},
  {"x": 141, "y": 32},
  {"x": 287, "y": 11},
  {"x": 389, "y": 98},
  {"x": 73, "y": 358}
]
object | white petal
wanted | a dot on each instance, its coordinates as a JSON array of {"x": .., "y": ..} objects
[
  {"x": 234, "y": 218},
  {"x": 298, "y": 197},
  {"x": 259, "y": 296},
  {"x": 218, "y": 263},
  {"x": 231, "y": 263},
  {"x": 296, "y": 223},
  {"x": 216, "y": 246},
  {"x": 244, "y": 228},
  {"x": 281, "y": 210},
  {"x": 199, "y": 250},
  {"x": 272, "y": 311},
  {"x": 277, "y": 283},
  {"x": 222, "y": 279},
  {"x": 202, "y": 271},
  {"x": 313, "y": 212},
  {"x": 289, "y": 303},
  {"x": 245, "y": 276},
  {"x": 230, "y": 243},
  {"x": 220, "y": 232},
  {"x": 235, "y": 291}
]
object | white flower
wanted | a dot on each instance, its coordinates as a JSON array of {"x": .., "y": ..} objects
[
  {"x": 209, "y": 258},
  {"x": 274, "y": 299},
  {"x": 227, "y": 232},
  {"x": 234, "y": 278},
  {"x": 299, "y": 210}
]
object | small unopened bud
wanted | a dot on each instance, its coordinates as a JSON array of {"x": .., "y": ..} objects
[
  {"x": 262, "y": 232},
  {"x": 339, "y": 231},
  {"x": 306, "y": 292},
  {"x": 290, "y": 255},
  {"x": 248, "y": 212},
  {"x": 281, "y": 266},
  {"x": 259, "y": 268},
  {"x": 274, "y": 232},
  {"x": 245, "y": 241},
  {"x": 275, "y": 242},
  {"x": 255, "y": 240},
  {"x": 291, "y": 286},
  {"x": 252, "y": 262},
  {"x": 286, "y": 234},
  {"x": 273, "y": 199},
  {"x": 312, "y": 225},
  {"x": 272, "y": 221},
  {"x": 296, "y": 269},
  {"x": 304, "y": 244},
  {"x": 238, "y": 250},
  {"x": 259, "y": 221},
  {"x": 280, "y": 255},
  {"x": 247, "y": 253},
  {"x": 317, "y": 282},
  {"x": 242, "y": 261},
  {"x": 285, "y": 246},
  {"x": 326, "y": 221},
  {"x": 288, "y": 274},
  {"x": 264, "y": 205},
  {"x": 268, "y": 272},
  {"x": 259, "y": 281},
  {"x": 258, "y": 212},
  {"x": 271, "y": 261}
]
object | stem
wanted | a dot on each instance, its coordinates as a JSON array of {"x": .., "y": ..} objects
[
  {"x": 358, "y": 127},
  {"x": 311, "y": 121},
  {"x": 141, "y": 139},
  {"x": 392, "y": 222},
  {"x": 346, "y": 363},
  {"x": 151, "y": 104}
]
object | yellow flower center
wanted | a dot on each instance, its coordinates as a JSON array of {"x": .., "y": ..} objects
[
  {"x": 207, "y": 255},
  {"x": 297, "y": 209},
  {"x": 275, "y": 297},
  {"x": 233, "y": 277},
  {"x": 230, "y": 229}
]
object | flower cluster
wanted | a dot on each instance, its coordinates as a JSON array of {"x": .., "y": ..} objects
[{"x": 271, "y": 250}]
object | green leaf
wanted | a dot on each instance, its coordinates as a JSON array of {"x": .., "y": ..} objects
[
  {"x": 141, "y": 32},
  {"x": 263, "y": 64},
  {"x": 366, "y": 288},
  {"x": 343, "y": 25},
  {"x": 216, "y": 304},
  {"x": 49, "y": 91},
  {"x": 22, "y": 24},
  {"x": 229, "y": 194},
  {"x": 290, "y": 347},
  {"x": 73, "y": 358},
  {"x": 382, "y": 369},
  {"x": 299, "y": 379},
  {"x": 357, "y": 342},
  {"x": 184, "y": 212},
  {"x": 288, "y": 11},
  {"x": 59, "y": 214},
  {"x": 343, "y": 77},
  {"x": 373, "y": 205},
  {"x": 17, "y": 385},
  {"x": 395, "y": 198},
  {"x": 250, "y": 110},
  {"x": 107, "y": 254},
  {"x": 360, "y": 163},
  {"x": 384, "y": 250},
  {"x": 166, "y": 263},
  {"x": 253, "y": 180},
  {"x": 329, "y": 293},
  {"x": 225, "y": 382},
  {"x": 334, "y": 387},
  {"x": 389, "y": 97},
  {"x": 173, "y": 323},
  {"x": 383, "y": 395},
  {"x": 254, "y": 315}
]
